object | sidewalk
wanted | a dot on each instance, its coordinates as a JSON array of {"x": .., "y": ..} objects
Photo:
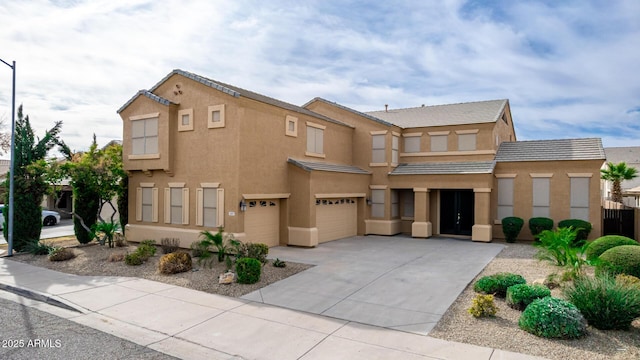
[{"x": 191, "y": 324}]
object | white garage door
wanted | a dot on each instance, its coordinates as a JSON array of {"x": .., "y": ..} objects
[
  {"x": 336, "y": 219},
  {"x": 262, "y": 222}
]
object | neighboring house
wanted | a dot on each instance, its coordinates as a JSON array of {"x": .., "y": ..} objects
[
  {"x": 630, "y": 188},
  {"x": 203, "y": 154}
]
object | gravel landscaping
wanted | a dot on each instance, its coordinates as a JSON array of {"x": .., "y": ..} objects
[
  {"x": 502, "y": 331},
  {"x": 457, "y": 324}
]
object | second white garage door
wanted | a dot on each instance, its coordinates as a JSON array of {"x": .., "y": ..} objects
[
  {"x": 262, "y": 222},
  {"x": 336, "y": 219}
]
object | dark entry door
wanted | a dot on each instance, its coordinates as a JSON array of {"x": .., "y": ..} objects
[{"x": 456, "y": 212}]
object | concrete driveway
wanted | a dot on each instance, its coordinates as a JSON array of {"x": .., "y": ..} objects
[{"x": 396, "y": 282}]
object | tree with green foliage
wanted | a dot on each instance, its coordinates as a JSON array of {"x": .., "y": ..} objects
[
  {"x": 617, "y": 173},
  {"x": 30, "y": 183},
  {"x": 96, "y": 177}
]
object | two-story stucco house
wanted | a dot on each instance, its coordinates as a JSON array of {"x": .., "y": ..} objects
[{"x": 202, "y": 154}]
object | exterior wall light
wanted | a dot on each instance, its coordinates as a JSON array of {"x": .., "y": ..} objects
[
  {"x": 368, "y": 201},
  {"x": 243, "y": 205}
]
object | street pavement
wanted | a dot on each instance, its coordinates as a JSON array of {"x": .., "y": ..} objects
[
  {"x": 63, "y": 228},
  {"x": 28, "y": 333}
]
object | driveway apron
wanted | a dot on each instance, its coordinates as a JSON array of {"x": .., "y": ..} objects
[{"x": 396, "y": 282}]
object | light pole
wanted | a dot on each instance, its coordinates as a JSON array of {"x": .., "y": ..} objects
[{"x": 13, "y": 137}]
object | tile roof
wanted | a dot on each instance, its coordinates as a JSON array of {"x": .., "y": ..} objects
[
  {"x": 373, "y": 118},
  {"x": 629, "y": 154},
  {"x": 318, "y": 166},
  {"x": 445, "y": 168},
  {"x": 550, "y": 150},
  {"x": 443, "y": 115},
  {"x": 148, "y": 94},
  {"x": 238, "y": 92}
]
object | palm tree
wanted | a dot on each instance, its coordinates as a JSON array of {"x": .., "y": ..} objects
[{"x": 617, "y": 173}]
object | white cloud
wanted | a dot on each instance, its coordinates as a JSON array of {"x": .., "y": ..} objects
[{"x": 567, "y": 68}]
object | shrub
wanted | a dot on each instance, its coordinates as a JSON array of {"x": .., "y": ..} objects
[
  {"x": 483, "y": 306},
  {"x": 217, "y": 240},
  {"x": 539, "y": 224},
  {"x": 624, "y": 259},
  {"x": 169, "y": 245},
  {"x": 38, "y": 248},
  {"x": 248, "y": 270},
  {"x": 61, "y": 254},
  {"x": 521, "y": 295},
  {"x": 133, "y": 259},
  {"x": 511, "y": 227},
  {"x": 497, "y": 284},
  {"x": 604, "y": 302},
  {"x": 604, "y": 243},
  {"x": 174, "y": 263},
  {"x": 551, "y": 317},
  {"x": 628, "y": 280},
  {"x": 557, "y": 248},
  {"x": 198, "y": 249},
  {"x": 119, "y": 239},
  {"x": 279, "y": 263},
  {"x": 115, "y": 257},
  {"x": 146, "y": 249},
  {"x": 582, "y": 227},
  {"x": 256, "y": 251}
]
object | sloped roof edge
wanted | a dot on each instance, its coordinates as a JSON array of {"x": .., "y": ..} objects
[
  {"x": 318, "y": 166},
  {"x": 148, "y": 94},
  {"x": 372, "y": 118}
]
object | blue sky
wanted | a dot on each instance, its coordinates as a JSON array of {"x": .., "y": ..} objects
[{"x": 569, "y": 68}]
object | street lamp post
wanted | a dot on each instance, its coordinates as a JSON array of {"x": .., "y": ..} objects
[{"x": 13, "y": 136}]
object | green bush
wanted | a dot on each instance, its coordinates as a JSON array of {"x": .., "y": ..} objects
[
  {"x": 175, "y": 262},
  {"x": 624, "y": 259},
  {"x": 146, "y": 249},
  {"x": 256, "y": 251},
  {"x": 248, "y": 270},
  {"x": 521, "y": 295},
  {"x": 38, "y": 248},
  {"x": 604, "y": 302},
  {"x": 582, "y": 227},
  {"x": 551, "y": 317},
  {"x": 557, "y": 248},
  {"x": 511, "y": 227},
  {"x": 628, "y": 280},
  {"x": 497, "y": 284},
  {"x": 483, "y": 306},
  {"x": 539, "y": 224},
  {"x": 604, "y": 243},
  {"x": 133, "y": 259}
]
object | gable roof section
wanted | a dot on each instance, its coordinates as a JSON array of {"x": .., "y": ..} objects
[
  {"x": 551, "y": 150},
  {"x": 318, "y": 166},
  {"x": 444, "y": 115},
  {"x": 445, "y": 168},
  {"x": 148, "y": 94},
  {"x": 356, "y": 112},
  {"x": 238, "y": 92}
]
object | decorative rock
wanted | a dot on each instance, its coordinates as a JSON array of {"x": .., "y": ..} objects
[
  {"x": 227, "y": 278},
  {"x": 538, "y": 282}
]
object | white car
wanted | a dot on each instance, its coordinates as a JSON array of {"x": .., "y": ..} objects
[{"x": 49, "y": 218}]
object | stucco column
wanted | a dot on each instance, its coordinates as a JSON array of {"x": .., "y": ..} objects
[
  {"x": 481, "y": 230},
  {"x": 421, "y": 226}
]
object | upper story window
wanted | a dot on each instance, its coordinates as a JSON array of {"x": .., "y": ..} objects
[
  {"x": 394, "y": 149},
  {"x": 291, "y": 126},
  {"x": 315, "y": 140},
  {"x": 144, "y": 136},
  {"x": 439, "y": 141},
  {"x": 185, "y": 120},
  {"x": 378, "y": 148},
  {"x": 412, "y": 142},
  {"x": 216, "y": 116},
  {"x": 467, "y": 140}
]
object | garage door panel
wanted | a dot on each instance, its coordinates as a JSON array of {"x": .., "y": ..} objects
[
  {"x": 262, "y": 222},
  {"x": 336, "y": 219}
]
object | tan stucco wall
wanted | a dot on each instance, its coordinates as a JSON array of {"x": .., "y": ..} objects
[{"x": 559, "y": 192}]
